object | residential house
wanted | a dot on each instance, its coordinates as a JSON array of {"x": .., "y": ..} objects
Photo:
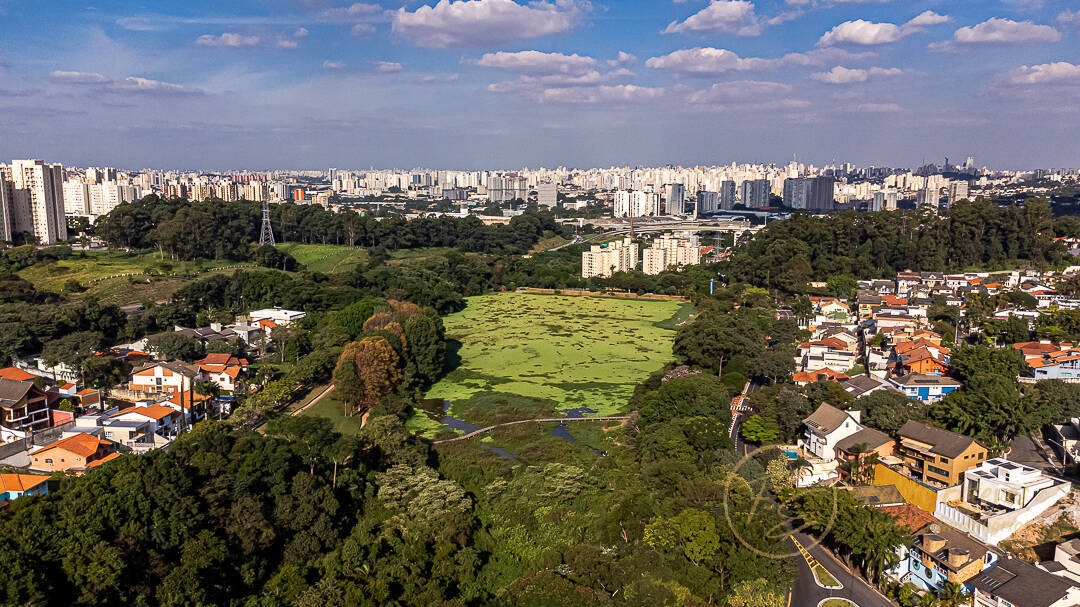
[
  {"x": 868, "y": 302},
  {"x": 861, "y": 385},
  {"x": 1067, "y": 560},
  {"x": 927, "y": 388},
  {"x": 1065, "y": 441},
  {"x": 223, "y": 369},
  {"x": 935, "y": 456},
  {"x": 998, "y": 498},
  {"x": 862, "y": 443},
  {"x": 826, "y": 427},
  {"x": 16, "y": 374},
  {"x": 23, "y": 408},
  {"x": 75, "y": 453},
  {"x": 133, "y": 433},
  {"x": 942, "y": 554},
  {"x": 918, "y": 356},
  {"x": 14, "y": 486},
  {"x": 803, "y": 378},
  {"x": 171, "y": 376},
  {"x": 1057, "y": 364},
  {"x": 278, "y": 316},
  {"x": 164, "y": 421},
  {"x": 192, "y": 404},
  {"x": 830, "y": 353},
  {"x": 1017, "y": 583}
]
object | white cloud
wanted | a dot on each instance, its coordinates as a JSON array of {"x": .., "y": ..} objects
[
  {"x": 362, "y": 29},
  {"x": 387, "y": 67},
  {"x": 537, "y": 63},
  {"x": 865, "y": 32},
  {"x": 354, "y": 11},
  {"x": 1047, "y": 72},
  {"x": 756, "y": 90},
  {"x": 843, "y": 75},
  {"x": 623, "y": 59},
  {"x": 333, "y": 65},
  {"x": 286, "y": 43},
  {"x": 78, "y": 77},
  {"x": 479, "y": 23},
  {"x": 621, "y": 93},
  {"x": 301, "y": 33},
  {"x": 1069, "y": 17},
  {"x": 228, "y": 39},
  {"x": 708, "y": 60},
  {"x": 1002, "y": 31},
  {"x": 728, "y": 16},
  {"x": 133, "y": 84}
]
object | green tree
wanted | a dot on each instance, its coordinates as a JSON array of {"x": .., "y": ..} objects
[
  {"x": 176, "y": 345},
  {"x": 755, "y": 431}
]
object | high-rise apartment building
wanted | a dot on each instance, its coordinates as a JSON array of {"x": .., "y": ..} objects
[
  {"x": 39, "y": 187},
  {"x": 675, "y": 199},
  {"x": 547, "y": 195},
  {"x": 755, "y": 193},
  {"x": 727, "y": 195},
  {"x": 823, "y": 193},
  {"x": 504, "y": 188},
  {"x": 76, "y": 198},
  {"x": 958, "y": 190},
  {"x": 671, "y": 250},
  {"x": 928, "y": 198},
  {"x": 707, "y": 202},
  {"x": 606, "y": 259},
  {"x": 7, "y": 208},
  {"x": 636, "y": 204},
  {"x": 797, "y": 192}
]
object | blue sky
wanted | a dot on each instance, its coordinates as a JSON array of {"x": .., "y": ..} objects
[{"x": 505, "y": 84}]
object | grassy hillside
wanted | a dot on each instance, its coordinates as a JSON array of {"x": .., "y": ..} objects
[{"x": 325, "y": 258}]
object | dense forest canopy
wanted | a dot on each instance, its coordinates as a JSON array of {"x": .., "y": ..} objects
[
  {"x": 972, "y": 234},
  {"x": 224, "y": 230}
]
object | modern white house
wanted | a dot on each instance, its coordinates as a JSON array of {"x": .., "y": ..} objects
[
  {"x": 997, "y": 498},
  {"x": 278, "y": 316}
]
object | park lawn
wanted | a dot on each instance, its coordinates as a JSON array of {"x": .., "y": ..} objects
[
  {"x": 325, "y": 258},
  {"x": 330, "y": 407},
  {"x": 97, "y": 265},
  {"x": 526, "y": 355}
]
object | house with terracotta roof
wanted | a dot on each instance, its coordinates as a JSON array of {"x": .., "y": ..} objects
[
  {"x": 223, "y": 369},
  {"x": 14, "y": 486},
  {"x": 16, "y": 374},
  {"x": 924, "y": 359},
  {"x": 164, "y": 421},
  {"x": 829, "y": 353},
  {"x": 76, "y": 453},
  {"x": 166, "y": 377},
  {"x": 939, "y": 553},
  {"x": 192, "y": 404},
  {"x": 803, "y": 378},
  {"x": 23, "y": 408}
]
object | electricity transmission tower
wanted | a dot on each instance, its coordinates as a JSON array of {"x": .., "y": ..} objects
[{"x": 266, "y": 237}]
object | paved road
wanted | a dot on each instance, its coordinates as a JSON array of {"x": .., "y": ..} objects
[{"x": 807, "y": 593}]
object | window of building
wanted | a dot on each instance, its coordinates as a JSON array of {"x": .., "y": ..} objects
[
  {"x": 48, "y": 460},
  {"x": 944, "y": 460}
]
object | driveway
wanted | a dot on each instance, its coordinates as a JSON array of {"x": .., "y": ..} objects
[{"x": 806, "y": 592}]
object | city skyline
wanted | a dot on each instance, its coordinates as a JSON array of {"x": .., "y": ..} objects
[{"x": 503, "y": 84}]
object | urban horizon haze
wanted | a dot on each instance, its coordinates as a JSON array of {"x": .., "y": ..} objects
[{"x": 504, "y": 84}]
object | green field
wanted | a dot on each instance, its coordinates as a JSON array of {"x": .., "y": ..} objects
[
  {"x": 330, "y": 407},
  {"x": 526, "y": 356},
  {"x": 325, "y": 258},
  {"x": 97, "y": 265}
]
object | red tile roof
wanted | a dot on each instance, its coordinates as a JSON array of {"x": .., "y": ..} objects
[{"x": 16, "y": 374}]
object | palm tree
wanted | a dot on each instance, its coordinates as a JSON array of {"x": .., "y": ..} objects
[
  {"x": 928, "y": 600},
  {"x": 953, "y": 595},
  {"x": 880, "y": 537}
]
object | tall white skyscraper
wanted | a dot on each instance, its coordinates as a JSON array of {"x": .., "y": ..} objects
[
  {"x": 547, "y": 195},
  {"x": 76, "y": 198},
  {"x": 7, "y": 209},
  {"x": 41, "y": 186},
  {"x": 958, "y": 190},
  {"x": 636, "y": 204},
  {"x": 707, "y": 202}
]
